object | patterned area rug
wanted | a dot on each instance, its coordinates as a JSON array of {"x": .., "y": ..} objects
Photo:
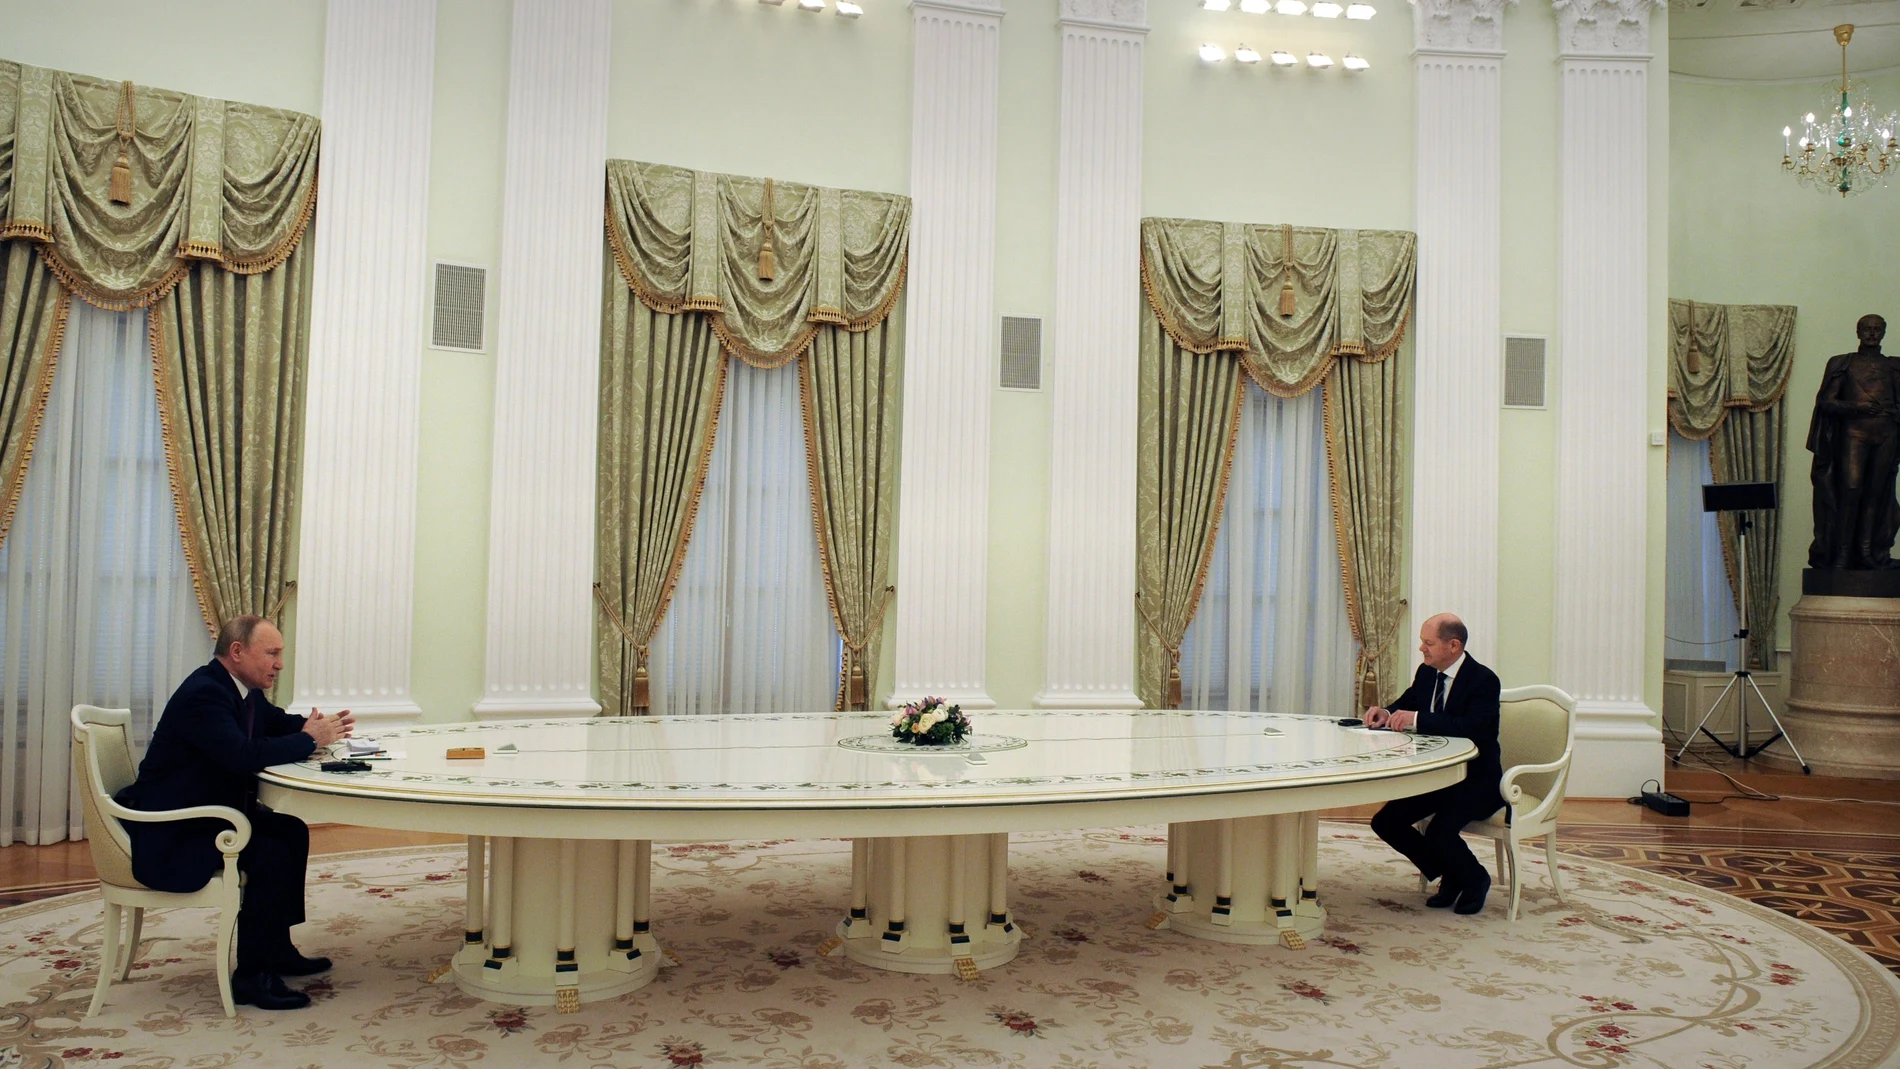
[{"x": 1632, "y": 969}]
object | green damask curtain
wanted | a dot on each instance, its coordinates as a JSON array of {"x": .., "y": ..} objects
[
  {"x": 1288, "y": 306},
  {"x": 32, "y": 320},
  {"x": 1728, "y": 380},
  {"x": 134, "y": 197},
  {"x": 714, "y": 265}
]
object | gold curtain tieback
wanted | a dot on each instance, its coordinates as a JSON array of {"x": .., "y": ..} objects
[
  {"x": 768, "y": 260},
  {"x": 127, "y": 124},
  {"x": 1286, "y": 277},
  {"x": 1691, "y": 360}
]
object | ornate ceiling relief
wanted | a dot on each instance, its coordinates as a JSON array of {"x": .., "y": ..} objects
[
  {"x": 1456, "y": 25},
  {"x": 1604, "y": 26}
]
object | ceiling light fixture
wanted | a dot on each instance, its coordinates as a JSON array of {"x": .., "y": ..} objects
[
  {"x": 1211, "y": 53},
  {"x": 1326, "y": 9},
  {"x": 1246, "y": 55},
  {"x": 1844, "y": 153},
  {"x": 1291, "y": 7},
  {"x": 1284, "y": 59},
  {"x": 773, "y": 3},
  {"x": 1318, "y": 59},
  {"x": 1360, "y": 11},
  {"x": 1256, "y": 7},
  {"x": 1354, "y": 63},
  {"x": 811, "y": 5},
  {"x": 1217, "y": 5},
  {"x": 848, "y": 9}
]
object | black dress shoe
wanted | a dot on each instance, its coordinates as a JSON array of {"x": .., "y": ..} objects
[
  {"x": 1471, "y": 898},
  {"x": 295, "y": 964},
  {"x": 266, "y": 991},
  {"x": 1446, "y": 897}
]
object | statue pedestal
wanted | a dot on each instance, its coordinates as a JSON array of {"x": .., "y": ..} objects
[{"x": 1843, "y": 706}]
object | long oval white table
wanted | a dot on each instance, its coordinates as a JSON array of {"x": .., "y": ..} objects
[{"x": 560, "y": 815}]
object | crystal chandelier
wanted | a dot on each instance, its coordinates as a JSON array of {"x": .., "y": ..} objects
[{"x": 1848, "y": 149}]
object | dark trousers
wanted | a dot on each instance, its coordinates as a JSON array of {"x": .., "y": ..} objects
[
  {"x": 273, "y": 866},
  {"x": 1440, "y": 851}
]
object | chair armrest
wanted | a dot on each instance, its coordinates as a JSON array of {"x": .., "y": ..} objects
[
  {"x": 1507, "y": 784},
  {"x": 229, "y": 842}
]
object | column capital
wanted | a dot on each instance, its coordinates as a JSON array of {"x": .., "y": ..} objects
[
  {"x": 1618, "y": 28},
  {"x": 1475, "y": 26},
  {"x": 983, "y": 10},
  {"x": 1126, "y": 16}
]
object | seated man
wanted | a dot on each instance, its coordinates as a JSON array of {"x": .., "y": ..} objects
[
  {"x": 1451, "y": 695},
  {"x": 217, "y": 732}
]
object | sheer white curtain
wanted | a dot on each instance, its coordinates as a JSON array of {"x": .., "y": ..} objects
[
  {"x": 748, "y": 630},
  {"x": 1271, "y": 634},
  {"x": 1699, "y": 619},
  {"x": 96, "y": 601}
]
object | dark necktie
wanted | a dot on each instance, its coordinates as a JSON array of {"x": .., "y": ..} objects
[
  {"x": 250, "y": 718},
  {"x": 1438, "y": 695}
]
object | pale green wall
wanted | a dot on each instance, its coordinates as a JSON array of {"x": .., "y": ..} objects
[
  {"x": 1742, "y": 232},
  {"x": 826, "y": 100}
]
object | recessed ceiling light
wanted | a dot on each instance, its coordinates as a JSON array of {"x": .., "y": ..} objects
[
  {"x": 1355, "y": 63},
  {"x": 1211, "y": 53},
  {"x": 1318, "y": 59},
  {"x": 1360, "y": 11},
  {"x": 1217, "y": 5},
  {"x": 1246, "y": 55},
  {"x": 1291, "y": 7},
  {"x": 1256, "y": 7},
  {"x": 1284, "y": 59},
  {"x": 1326, "y": 9},
  {"x": 848, "y": 9}
]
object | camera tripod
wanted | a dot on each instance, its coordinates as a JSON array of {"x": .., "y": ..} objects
[{"x": 1742, "y": 683}]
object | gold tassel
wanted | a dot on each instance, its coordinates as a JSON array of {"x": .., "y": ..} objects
[
  {"x": 642, "y": 690},
  {"x": 1174, "y": 684},
  {"x": 855, "y": 697},
  {"x": 121, "y": 188},
  {"x": 1691, "y": 359},
  {"x": 768, "y": 260},
  {"x": 1286, "y": 279}
]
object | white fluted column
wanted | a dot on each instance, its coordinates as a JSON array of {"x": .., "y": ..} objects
[
  {"x": 1092, "y": 368},
  {"x": 547, "y": 364},
  {"x": 1602, "y": 393},
  {"x": 357, "y": 546},
  {"x": 1458, "y": 343},
  {"x": 949, "y": 347}
]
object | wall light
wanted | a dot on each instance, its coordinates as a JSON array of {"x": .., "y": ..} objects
[
  {"x": 1291, "y": 7},
  {"x": 848, "y": 9},
  {"x": 1360, "y": 11},
  {"x": 1211, "y": 53},
  {"x": 1326, "y": 9},
  {"x": 773, "y": 3},
  {"x": 1284, "y": 59},
  {"x": 1256, "y": 7},
  {"x": 811, "y": 5},
  {"x": 1246, "y": 55},
  {"x": 1355, "y": 63},
  {"x": 1318, "y": 59},
  {"x": 1217, "y": 5}
]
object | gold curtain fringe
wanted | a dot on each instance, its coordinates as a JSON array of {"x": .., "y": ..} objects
[
  {"x": 110, "y": 301},
  {"x": 1175, "y": 331},
  {"x": 20, "y": 229},
  {"x": 42, "y": 391},
  {"x": 821, "y": 529},
  {"x": 737, "y": 347},
  {"x": 174, "y": 464}
]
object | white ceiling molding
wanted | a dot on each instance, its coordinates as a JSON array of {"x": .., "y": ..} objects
[{"x": 1767, "y": 41}]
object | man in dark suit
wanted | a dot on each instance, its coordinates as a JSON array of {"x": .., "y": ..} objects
[
  {"x": 217, "y": 733},
  {"x": 1452, "y": 694}
]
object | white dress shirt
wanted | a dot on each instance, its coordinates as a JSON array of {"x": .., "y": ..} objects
[{"x": 1451, "y": 676}]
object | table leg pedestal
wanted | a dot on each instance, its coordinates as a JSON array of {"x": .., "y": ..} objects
[
  {"x": 556, "y": 922},
  {"x": 930, "y": 904},
  {"x": 1246, "y": 880}
]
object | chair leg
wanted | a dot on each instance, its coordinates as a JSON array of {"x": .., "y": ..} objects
[
  {"x": 1504, "y": 873},
  {"x": 130, "y": 953},
  {"x": 1550, "y": 862},
  {"x": 227, "y": 923},
  {"x": 1509, "y": 848},
  {"x": 108, "y": 957}
]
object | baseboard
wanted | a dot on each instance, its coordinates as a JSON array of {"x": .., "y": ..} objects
[
  {"x": 535, "y": 709},
  {"x": 1618, "y": 749}
]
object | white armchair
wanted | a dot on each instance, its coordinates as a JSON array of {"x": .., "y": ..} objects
[{"x": 102, "y": 765}]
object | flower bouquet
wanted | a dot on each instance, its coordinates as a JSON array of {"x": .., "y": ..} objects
[{"x": 930, "y": 722}]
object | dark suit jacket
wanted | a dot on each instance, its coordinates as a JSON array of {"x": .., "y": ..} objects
[
  {"x": 1471, "y": 712},
  {"x": 204, "y": 752}
]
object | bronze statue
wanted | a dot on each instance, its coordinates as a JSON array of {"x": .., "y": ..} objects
[{"x": 1855, "y": 439}]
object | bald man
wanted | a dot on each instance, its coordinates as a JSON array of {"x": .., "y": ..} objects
[{"x": 1452, "y": 694}]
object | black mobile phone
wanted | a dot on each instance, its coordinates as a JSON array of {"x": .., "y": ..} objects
[
  {"x": 344, "y": 766},
  {"x": 1351, "y": 722}
]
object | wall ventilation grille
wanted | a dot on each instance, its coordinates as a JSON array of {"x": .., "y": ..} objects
[
  {"x": 1523, "y": 371},
  {"x": 1022, "y": 353},
  {"x": 457, "y": 316}
]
